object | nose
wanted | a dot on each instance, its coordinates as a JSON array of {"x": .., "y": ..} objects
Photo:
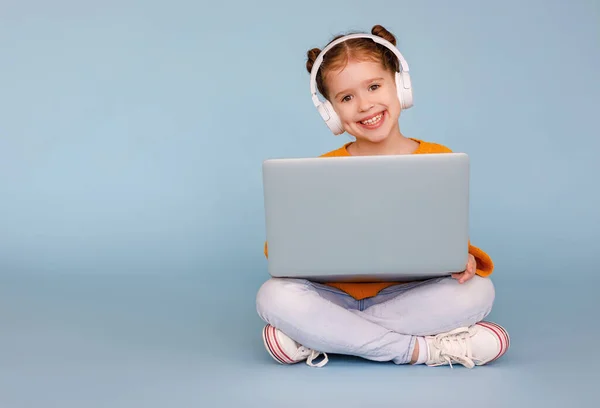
[{"x": 364, "y": 104}]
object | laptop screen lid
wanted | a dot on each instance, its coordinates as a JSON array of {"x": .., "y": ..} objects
[{"x": 367, "y": 218}]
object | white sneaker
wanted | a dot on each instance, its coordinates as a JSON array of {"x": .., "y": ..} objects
[
  {"x": 479, "y": 344},
  {"x": 284, "y": 350}
]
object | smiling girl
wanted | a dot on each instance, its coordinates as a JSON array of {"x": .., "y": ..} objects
[{"x": 435, "y": 321}]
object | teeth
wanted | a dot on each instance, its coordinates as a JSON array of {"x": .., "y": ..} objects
[{"x": 373, "y": 120}]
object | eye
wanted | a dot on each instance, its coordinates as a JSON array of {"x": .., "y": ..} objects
[
  {"x": 346, "y": 98},
  {"x": 374, "y": 87}
]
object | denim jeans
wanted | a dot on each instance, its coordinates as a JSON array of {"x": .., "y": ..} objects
[{"x": 379, "y": 328}]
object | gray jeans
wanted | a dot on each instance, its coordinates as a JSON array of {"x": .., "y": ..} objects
[{"x": 380, "y": 328}]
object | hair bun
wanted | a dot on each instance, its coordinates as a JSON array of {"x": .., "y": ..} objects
[
  {"x": 380, "y": 31},
  {"x": 311, "y": 56}
]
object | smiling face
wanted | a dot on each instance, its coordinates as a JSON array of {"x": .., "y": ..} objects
[{"x": 363, "y": 94}]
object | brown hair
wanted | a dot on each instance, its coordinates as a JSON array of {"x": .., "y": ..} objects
[{"x": 358, "y": 49}]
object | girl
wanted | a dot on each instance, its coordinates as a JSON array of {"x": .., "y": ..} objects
[{"x": 436, "y": 321}]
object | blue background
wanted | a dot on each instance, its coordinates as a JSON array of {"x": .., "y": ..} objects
[{"x": 132, "y": 228}]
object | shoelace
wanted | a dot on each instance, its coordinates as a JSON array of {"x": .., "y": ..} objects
[
  {"x": 455, "y": 346},
  {"x": 312, "y": 354}
]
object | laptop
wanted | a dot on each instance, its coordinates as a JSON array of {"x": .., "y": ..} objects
[{"x": 367, "y": 218}]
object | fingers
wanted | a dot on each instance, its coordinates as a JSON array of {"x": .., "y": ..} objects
[
  {"x": 463, "y": 277},
  {"x": 469, "y": 271}
]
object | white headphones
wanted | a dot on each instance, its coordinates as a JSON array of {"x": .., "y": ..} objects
[{"x": 325, "y": 108}]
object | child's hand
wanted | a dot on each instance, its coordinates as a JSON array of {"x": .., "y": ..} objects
[{"x": 467, "y": 273}]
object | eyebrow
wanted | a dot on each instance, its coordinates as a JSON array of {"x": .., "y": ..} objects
[{"x": 364, "y": 82}]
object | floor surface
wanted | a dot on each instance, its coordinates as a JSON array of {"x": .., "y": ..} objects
[{"x": 115, "y": 341}]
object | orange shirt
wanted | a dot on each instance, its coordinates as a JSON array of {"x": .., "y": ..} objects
[{"x": 359, "y": 291}]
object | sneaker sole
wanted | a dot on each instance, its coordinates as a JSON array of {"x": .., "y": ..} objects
[
  {"x": 272, "y": 345},
  {"x": 502, "y": 335}
]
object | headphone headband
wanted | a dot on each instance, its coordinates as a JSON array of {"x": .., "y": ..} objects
[{"x": 319, "y": 60}]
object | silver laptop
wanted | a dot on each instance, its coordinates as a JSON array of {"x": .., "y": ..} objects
[{"x": 367, "y": 218}]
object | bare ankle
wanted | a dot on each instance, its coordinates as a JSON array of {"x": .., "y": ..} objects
[{"x": 415, "y": 354}]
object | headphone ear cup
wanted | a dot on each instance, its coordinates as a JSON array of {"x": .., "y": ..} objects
[
  {"x": 404, "y": 89},
  {"x": 331, "y": 118}
]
